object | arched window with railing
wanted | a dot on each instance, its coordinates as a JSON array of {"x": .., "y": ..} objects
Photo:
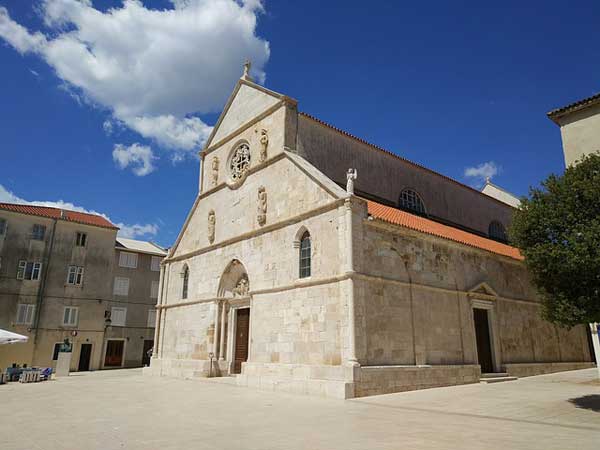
[
  {"x": 410, "y": 200},
  {"x": 305, "y": 255}
]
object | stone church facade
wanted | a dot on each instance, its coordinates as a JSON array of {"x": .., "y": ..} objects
[{"x": 314, "y": 262}]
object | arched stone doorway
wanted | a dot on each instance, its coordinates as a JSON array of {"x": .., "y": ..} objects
[{"x": 234, "y": 289}]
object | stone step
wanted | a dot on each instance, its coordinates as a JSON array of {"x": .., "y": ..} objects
[
  {"x": 230, "y": 379},
  {"x": 494, "y": 375},
  {"x": 488, "y": 378}
]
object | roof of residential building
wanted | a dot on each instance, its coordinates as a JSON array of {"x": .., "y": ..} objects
[
  {"x": 60, "y": 214},
  {"x": 557, "y": 113},
  {"x": 405, "y": 219},
  {"x": 140, "y": 246}
]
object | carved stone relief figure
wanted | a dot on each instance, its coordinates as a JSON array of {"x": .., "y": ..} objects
[
  {"x": 242, "y": 288},
  {"x": 212, "y": 220},
  {"x": 215, "y": 170},
  {"x": 264, "y": 143},
  {"x": 262, "y": 206}
]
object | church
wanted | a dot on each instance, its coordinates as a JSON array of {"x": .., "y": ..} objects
[{"x": 317, "y": 263}]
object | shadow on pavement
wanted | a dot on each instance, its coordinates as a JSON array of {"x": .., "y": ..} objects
[{"x": 587, "y": 402}]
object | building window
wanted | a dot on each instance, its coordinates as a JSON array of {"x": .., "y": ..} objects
[
  {"x": 151, "y": 318},
  {"x": 70, "y": 316},
  {"x": 411, "y": 201},
  {"x": 81, "y": 239},
  {"x": 154, "y": 289},
  {"x": 2, "y": 227},
  {"x": 128, "y": 260},
  {"x": 496, "y": 231},
  {"x": 38, "y": 233},
  {"x": 186, "y": 278},
  {"x": 240, "y": 161},
  {"x": 75, "y": 276},
  {"x": 25, "y": 314},
  {"x": 305, "y": 255},
  {"x": 121, "y": 286},
  {"x": 118, "y": 316},
  {"x": 29, "y": 270},
  {"x": 56, "y": 351},
  {"x": 155, "y": 264}
]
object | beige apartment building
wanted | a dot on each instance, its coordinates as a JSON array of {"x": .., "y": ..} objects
[
  {"x": 66, "y": 274},
  {"x": 579, "y": 124},
  {"x": 315, "y": 262}
]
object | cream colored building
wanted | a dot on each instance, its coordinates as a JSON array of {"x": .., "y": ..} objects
[
  {"x": 317, "y": 263},
  {"x": 579, "y": 124},
  {"x": 65, "y": 274}
]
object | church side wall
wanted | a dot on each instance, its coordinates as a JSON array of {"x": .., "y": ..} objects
[{"x": 414, "y": 308}]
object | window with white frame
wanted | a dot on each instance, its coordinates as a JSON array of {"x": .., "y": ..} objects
[
  {"x": 155, "y": 264},
  {"x": 118, "y": 316},
  {"x": 75, "y": 275},
  {"x": 151, "y": 318},
  {"x": 127, "y": 259},
  {"x": 154, "y": 289},
  {"x": 70, "y": 316},
  {"x": 29, "y": 270},
  {"x": 25, "y": 314},
  {"x": 81, "y": 239},
  {"x": 38, "y": 232},
  {"x": 121, "y": 286},
  {"x": 2, "y": 226}
]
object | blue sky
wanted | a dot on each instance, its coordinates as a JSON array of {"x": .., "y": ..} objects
[{"x": 106, "y": 109}]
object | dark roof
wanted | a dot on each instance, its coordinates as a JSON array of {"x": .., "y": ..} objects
[
  {"x": 61, "y": 214},
  {"x": 555, "y": 114},
  {"x": 388, "y": 152}
]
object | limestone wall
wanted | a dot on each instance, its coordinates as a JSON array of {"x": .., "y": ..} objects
[
  {"x": 415, "y": 296},
  {"x": 580, "y": 132}
]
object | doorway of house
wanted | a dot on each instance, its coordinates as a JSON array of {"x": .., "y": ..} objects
[
  {"x": 148, "y": 344},
  {"x": 84, "y": 357},
  {"x": 114, "y": 353},
  {"x": 484, "y": 344},
  {"x": 242, "y": 329}
]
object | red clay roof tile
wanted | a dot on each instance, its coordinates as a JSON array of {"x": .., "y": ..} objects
[
  {"x": 417, "y": 223},
  {"x": 55, "y": 213}
]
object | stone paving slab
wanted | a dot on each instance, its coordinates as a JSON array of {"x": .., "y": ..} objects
[{"x": 121, "y": 409}]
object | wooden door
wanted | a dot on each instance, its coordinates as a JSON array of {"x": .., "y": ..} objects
[
  {"x": 114, "y": 353},
  {"x": 84, "y": 357},
  {"x": 482, "y": 335},
  {"x": 242, "y": 329},
  {"x": 148, "y": 344}
]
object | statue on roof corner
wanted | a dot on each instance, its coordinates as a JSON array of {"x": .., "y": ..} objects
[
  {"x": 351, "y": 175},
  {"x": 247, "y": 66}
]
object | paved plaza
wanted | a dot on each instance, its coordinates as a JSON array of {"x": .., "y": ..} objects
[{"x": 122, "y": 409}]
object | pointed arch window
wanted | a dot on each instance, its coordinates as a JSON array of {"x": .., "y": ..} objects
[
  {"x": 305, "y": 255},
  {"x": 497, "y": 231},
  {"x": 185, "y": 275},
  {"x": 410, "y": 200}
]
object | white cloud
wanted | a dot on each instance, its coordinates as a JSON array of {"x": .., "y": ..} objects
[
  {"x": 125, "y": 230},
  {"x": 139, "y": 157},
  {"x": 151, "y": 68},
  {"x": 483, "y": 171}
]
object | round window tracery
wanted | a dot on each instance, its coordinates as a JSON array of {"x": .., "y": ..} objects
[{"x": 240, "y": 162}]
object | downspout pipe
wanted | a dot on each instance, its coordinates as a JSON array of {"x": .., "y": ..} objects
[{"x": 42, "y": 287}]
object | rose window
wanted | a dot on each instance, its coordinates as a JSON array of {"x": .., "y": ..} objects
[{"x": 240, "y": 162}]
